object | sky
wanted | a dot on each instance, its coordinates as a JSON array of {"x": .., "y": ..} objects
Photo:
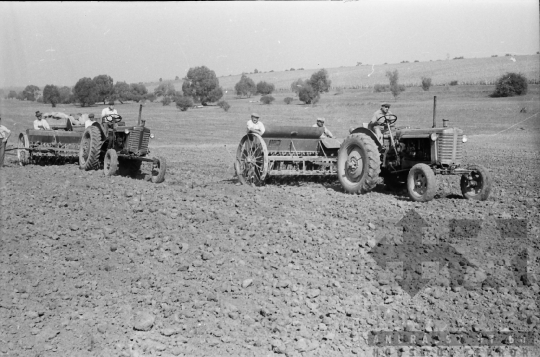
[{"x": 60, "y": 42}]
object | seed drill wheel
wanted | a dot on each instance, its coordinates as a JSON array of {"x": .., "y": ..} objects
[
  {"x": 421, "y": 183},
  {"x": 358, "y": 164},
  {"x": 476, "y": 185},
  {"x": 158, "y": 169},
  {"x": 89, "y": 150},
  {"x": 110, "y": 163},
  {"x": 23, "y": 153},
  {"x": 251, "y": 160}
]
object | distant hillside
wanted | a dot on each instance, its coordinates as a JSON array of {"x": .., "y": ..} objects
[{"x": 465, "y": 71}]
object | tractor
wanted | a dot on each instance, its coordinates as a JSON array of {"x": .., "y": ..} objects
[
  {"x": 119, "y": 148},
  {"x": 411, "y": 155}
]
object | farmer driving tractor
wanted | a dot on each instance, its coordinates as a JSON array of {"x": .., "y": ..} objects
[{"x": 378, "y": 120}]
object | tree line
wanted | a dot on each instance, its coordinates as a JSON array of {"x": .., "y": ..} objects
[{"x": 201, "y": 85}]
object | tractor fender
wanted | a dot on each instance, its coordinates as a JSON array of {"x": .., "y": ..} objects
[
  {"x": 368, "y": 133},
  {"x": 101, "y": 130}
]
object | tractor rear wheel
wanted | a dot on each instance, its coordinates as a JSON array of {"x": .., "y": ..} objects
[
  {"x": 110, "y": 163},
  {"x": 421, "y": 183},
  {"x": 358, "y": 164},
  {"x": 90, "y": 149},
  {"x": 476, "y": 185},
  {"x": 23, "y": 153},
  {"x": 158, "y": 170}
]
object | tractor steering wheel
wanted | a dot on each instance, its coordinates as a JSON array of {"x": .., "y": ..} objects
[
  {"x": 112, "y": 118},
  {"x": 388, "y": 118}
]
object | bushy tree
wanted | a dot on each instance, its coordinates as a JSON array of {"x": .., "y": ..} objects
[
  {"x": 105, "y": 87},
  {"x": 165, "y": 89},
  {"x": 395, "y": 88},
  {"x": 151, "y": 97},
  {"x": 166, "y": 101},
  {"x": 267, "y": 99},
  {"x": 265, "y": 88},
  {"x": 20, "y": 96},
  {"x": 426, "y": 83},
  {"x": 224, "y": 105},
  {"x": 215, "y": 94},
  {"x": 138, "y": 91},
  {"x": 307, "y": 94},
  {"x": 86, "y": 92},
  {"x": 30, "y": 93},
  {"x": 245, "y": 86},
  {"x": 310, "y": 92},
  {"x": 183, "y": 103},
  {"x": 122, "y": 92},
  {"x": 288, "y": 100},
  {"x": 320, "y": 82},
  {"x": 510, "y": 84},
  {"x": 51, "y": 94},
  {"x": 12, "y": 94},
  {"x": 65, "y": 95},
  {"x": 296, "y": 85},
  {"x": 202, "y": 85}
]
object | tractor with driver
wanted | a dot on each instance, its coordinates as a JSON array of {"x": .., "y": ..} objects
[
  {"x": 412, "y": 155},
  {"x": 117, "y": 146}
]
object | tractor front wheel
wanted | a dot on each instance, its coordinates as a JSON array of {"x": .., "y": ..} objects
[
  {"x": 158, "y": 170},
  {"x": 477, "y": 184},
  {"x": 421, "y": 183},
  {"x": 110, "y": 163},
  {"x": 358, "y": 164}
]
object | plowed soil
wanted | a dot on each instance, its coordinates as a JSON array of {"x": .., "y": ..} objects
[{"x": 203, "y": 266}]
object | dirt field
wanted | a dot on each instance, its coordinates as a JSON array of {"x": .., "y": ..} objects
[{"x": 201, "y": 266}]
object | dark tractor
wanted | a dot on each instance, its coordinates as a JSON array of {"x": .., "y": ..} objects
[
  {"x": 411, "y": 155},
  {"x": 119, "y": 147}
]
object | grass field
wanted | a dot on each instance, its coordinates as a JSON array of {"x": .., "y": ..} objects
[{"x": 468, "y": 107}]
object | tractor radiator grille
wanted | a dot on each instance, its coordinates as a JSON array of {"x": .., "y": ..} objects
[
  {"x": 450, "y": 148},
  {"x": 138, "y": 140}
]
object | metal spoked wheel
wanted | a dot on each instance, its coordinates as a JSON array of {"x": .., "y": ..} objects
[
  {"x": 23, "y": 152},
  {"x": 252, "y": 160}
]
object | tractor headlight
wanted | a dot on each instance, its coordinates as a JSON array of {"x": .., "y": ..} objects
[
  {"x": 464, "y": 139},
  {"x": 126, "y": 131},
  {"x": 433, "y": 136},
  {"x": 152, "y": 136}
]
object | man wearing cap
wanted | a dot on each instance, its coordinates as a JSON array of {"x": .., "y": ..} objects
[
  {"x": 89, "y": 121},
  {"x": 326, "y": 133},
  {"x": 378, "y": 120},
  {"x": 4, "y": 136},
  {"x": 254, "y": 125},
  {"x": 40, "y": 123},
  {"x": 109, "y": 110}
]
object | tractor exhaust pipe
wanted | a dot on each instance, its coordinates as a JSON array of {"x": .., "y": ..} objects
[
  {"x": 140, "y": 115},
  {"x": 434, "y": 111}
]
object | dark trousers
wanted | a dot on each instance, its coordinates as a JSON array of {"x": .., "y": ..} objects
[{"x": 2, "y": 152}]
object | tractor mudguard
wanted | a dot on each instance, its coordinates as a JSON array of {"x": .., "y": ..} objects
[{"x": 367, "y": 132}]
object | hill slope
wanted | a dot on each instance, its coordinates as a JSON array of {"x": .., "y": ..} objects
[{"x": 474, "y": 70}]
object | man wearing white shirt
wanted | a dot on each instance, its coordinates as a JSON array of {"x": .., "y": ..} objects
[
  {"x": 254, "y": 125},
  {"x": 89, "y": 121},
  {"x": 40, "y": 123},
  {"x": 109, "y": 110}
]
